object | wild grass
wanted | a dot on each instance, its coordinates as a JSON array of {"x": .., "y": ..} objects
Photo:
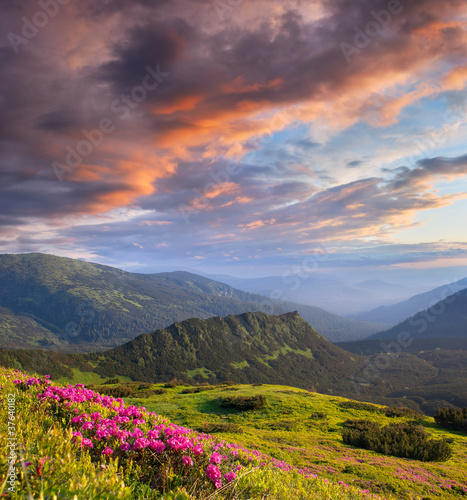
[{"x": 51, "y": 461}]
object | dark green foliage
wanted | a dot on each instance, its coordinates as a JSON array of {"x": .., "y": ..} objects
[
  {"x": 54, "y": 364},
  {"x": 357, "y": 405},
  {"x": 174, "y": 383},
  {"x": 144, "y": 386},
  {"x": 255, "y": 348},
  {"x": 121, "y": 391},
  {"x": 283, "y": 425},
  {"x": 212, "y": 428},
  {"x": 395, "y": 411},
  {"x": 111, "y": 381},
  {"x": 244, "y": 403},
  {"x": 317, "y": 415},
  {"x": 452, "y": 418},
  {"x": 401, "y": 440},
  {"x": 195, "y": 390},
  {"x": 146, "y": 394}
]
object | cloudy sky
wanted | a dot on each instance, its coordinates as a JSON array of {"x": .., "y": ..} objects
[{"x": 237, "y": 137}]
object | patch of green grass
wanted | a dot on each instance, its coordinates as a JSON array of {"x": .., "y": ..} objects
[
  {"x": 243, "y": 364},
  {"x": 86, "y": 378},
  {"x": 287, "y": 429},
  {"x": 204, "y": 372}
]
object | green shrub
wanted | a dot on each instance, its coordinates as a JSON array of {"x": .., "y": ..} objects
[
  {"x": 318, "y": 415},
  {"x": 121, "y": 391},
  {"x": 395, "y": 411},
  {"x": 111, "y": 381},
  {"x": 452, "y": 418},
  {"x": 282, "y": 425},
  {"x": 244, "y": 403},
  {"x": 143, "y": 386},
  {"x": 400, "y": 440},
  {"x": 174, "y": 383}
]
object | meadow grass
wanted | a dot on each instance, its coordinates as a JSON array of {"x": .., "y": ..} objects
[
  {"x": 304, "y": 429},
  {"x": 51, "y": 460}
]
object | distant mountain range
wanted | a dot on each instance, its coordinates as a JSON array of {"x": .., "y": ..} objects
[
  {"x": 258, "y": 348},
  {"x": 446, "y": 319},
  {"x": 396, "y": 313},
  {"x": 324, "y": 291},
  {"x": 67, "y": 304}
]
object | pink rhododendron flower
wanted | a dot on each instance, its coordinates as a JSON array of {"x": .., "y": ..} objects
[
  {"x": 216, "y": 458},
  {"x": 86, "y": 442},
  {"x": 125, "y": 446},
  {"x": 230, "y": 476},
  {"x": 213, "y": 472},
  {"x": 157, "y": 446},
  {"x": 140, "y": 443}
]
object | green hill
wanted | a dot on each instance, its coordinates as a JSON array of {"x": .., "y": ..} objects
[
  {"x": 82, "y": 306},
  {"x": 259, "y": 348}
]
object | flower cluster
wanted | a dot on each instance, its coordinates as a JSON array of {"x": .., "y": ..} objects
[
  {"x": 115, "y": 429},
  {"x": 106, "y": 428}
]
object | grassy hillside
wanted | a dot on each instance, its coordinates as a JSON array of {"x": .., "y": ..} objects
[
  {"x": 20, "y": 330},
  {"x": 83, "y": 445},
  {"x": 89, "y": 307},
  {"x": 258, "y": 348},
  {"x": 304, "y": 429}
]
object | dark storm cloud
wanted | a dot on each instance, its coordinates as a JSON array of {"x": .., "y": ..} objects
[{"x": 227, "y": 80}]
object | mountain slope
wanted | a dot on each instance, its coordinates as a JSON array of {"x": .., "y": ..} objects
[
  {"x": 396, "y": 313},
  {"x": 249, "y": 347},
  {"x": 445, "y": 319},
  {"x": 25, "y": 330},
  {"x": 259, "y": 348},
  {"x": 87, "y": 306}
]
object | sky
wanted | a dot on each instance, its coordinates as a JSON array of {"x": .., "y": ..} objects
[{"x": 248, "y": 138}]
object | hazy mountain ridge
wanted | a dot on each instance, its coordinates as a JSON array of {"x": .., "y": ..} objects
[
  {"x": 445, "y": 319},
  {"x": 396, "y": 313},
  {"x": 325, "y": 291},
  {"x": 94, "y": 306}
]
